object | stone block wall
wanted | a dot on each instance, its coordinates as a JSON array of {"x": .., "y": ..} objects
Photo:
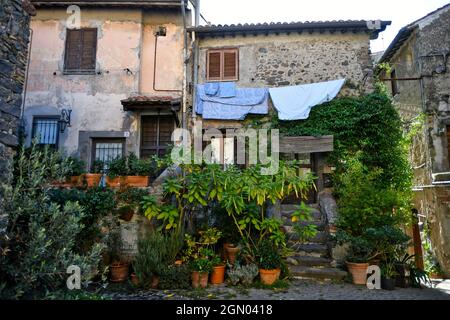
[{"x": 14, "y": 38}]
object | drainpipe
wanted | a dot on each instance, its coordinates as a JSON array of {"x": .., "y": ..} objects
[
  {"x": 196, "y": 57},
  {"x": 185, "y": 62}
]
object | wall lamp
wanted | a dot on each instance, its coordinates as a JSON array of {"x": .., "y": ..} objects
[{"x": 64, "y": 122}]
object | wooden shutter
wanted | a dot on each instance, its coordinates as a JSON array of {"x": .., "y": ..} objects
[
  {"x": 73, "y": 49},
  {"x": 89, "y": 49},
  {"x": 448, "y": 142},
  {"x": 230, "y": 64},
  {"x": 214, "y": 65},
  {"x": 81, "y": 50},
  {"x": 156, "y": 135}
]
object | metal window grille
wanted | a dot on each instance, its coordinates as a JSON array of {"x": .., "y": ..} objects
[
  {"x": 46, "y": 130},
  {"x": 106, "y": 151}
]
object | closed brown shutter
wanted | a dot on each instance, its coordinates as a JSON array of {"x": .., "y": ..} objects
[
  {"x": 156, "y": 135},
  {"x": 230, "y": 63},
  {"x": 81, "y": 50},
  {"x": 73, "y": 49},
  {"x": 214, "y": 65},
  {"x": 222, "y": 65},
  {"x": 89, "y": 49}
]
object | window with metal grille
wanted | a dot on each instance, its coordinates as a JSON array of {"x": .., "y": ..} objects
[
  {"x": 46, "y": 130},
  {"x": 156, "y": 134},
  {"x": 222, "y": 65},
  {"x": 106, "y": 150},
  {"x": 81, "y": 51}
]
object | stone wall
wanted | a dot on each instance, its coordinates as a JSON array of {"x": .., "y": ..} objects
[
  {"x": 422, "y": 56},
  {"x": 14, "y": 38},
  {"x": 281, "y": 60}
]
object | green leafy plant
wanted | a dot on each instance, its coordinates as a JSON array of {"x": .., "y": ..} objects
[
  {"x": 77, "y": 167},
  {"x": 244, "y": 274},
  {"x": 167, "y": 214},
  {"x": 267, "y": 256},
  {"x": 156, "y": 252},
  {"x": 98, "y": 167},
  {"x": 175, "y": 278},
  {"x": 40, "y": 241}
]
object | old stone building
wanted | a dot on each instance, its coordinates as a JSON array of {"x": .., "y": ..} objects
[
  {"x": 420, "y": 85},
  {"x": 14, "y": 37},
  {"x": 117, "y": 76}
]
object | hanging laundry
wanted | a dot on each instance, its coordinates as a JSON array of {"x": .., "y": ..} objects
[
  {"x": 296, "y": 102},
  {"x": 236, "y": 104}
]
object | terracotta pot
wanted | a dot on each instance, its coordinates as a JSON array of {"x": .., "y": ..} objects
[
  {"x": 224, "y": 251},
  {"x": 178, "y": 262},
  {"x": 203, "y": 279},
  {"x": 231, "y": 254},
  {"x": 134, "y": 279},
  {"x": 93, "y": 179},
  {"x": 75, "y": 181},
  {"x": 155, "y": 282},
  {"x": 195, "y": 279},
  {"x": 359, "y": 272},
  {"x": 119, "y": 272},
  {"x": 126, "y": 213},
  {"x": 218, "y": 275},
  {"x": 269, "y": 277},
  {"x": 114, "y": 182},
  {"x": 137, "y": 181}
]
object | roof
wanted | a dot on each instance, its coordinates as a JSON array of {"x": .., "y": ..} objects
[
  {"x": 150, "y": 102},
  {"x": 404, "y": 34},
  {"x": 107, "y": 3},
  {"x": 371, "y": 27}
]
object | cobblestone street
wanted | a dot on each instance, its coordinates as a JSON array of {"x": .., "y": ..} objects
[{"x": 298, "y": 290}]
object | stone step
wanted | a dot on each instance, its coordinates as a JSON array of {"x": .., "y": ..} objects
[
  {"x": 309, "y": 249},
  {"x": 319, "y": 224},
  {"x": 317, "y": 273},
  {"x": 315, "y": 214},
  {"x": 321, "y": 236},
  {"x": 305, "y": 261}
]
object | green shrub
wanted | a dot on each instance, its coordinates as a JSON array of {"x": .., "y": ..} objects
[
  {"x": 155, "y": 253},
  {"x": 77, "y": 167},
  {"x": 267, "y": 256},
  {"x": 175, "y": 278},
  {"x": 41, "y": 237}
]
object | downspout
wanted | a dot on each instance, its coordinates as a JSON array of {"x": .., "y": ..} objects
[
  {"x": 196, "y": 57},
  {"x": 185, "y": 62}
]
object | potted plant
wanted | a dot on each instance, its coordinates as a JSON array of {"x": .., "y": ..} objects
[
  {"x": 402, "y": 267},
  {"x": 129, "y": 171},
  {"x": 200, "y": 271},
  {"x": 269, "y": 262},
  {"x": 93, "y": 178},
  {"x": 231, "y": 252},
  {"x": 244, "y": 274},
  {"x": 218, "y": 271},
  {"x": 129, "y": 202},
  {"x": 388, "y": 274},
  {"x": 119, "y": 266},
  {"x": 359, "y": 254},
  {"x": 77, "y": 169},
  {"x": 117, "y": 169}
]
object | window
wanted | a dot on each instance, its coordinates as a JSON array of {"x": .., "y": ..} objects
[
  {"x": 222, "y": 65},
  {"x": 448, "y": 143},
  {"x": 394, "y": 83},
  {"x": 81, "y": 50},
  {"x": 156, "y": 135},
  {"x": 106, "y": 150},
  {"x": 46, "y": 129}
]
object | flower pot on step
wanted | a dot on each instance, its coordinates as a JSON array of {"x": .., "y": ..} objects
[
  {"x": 134, "y": 279},
  {"x": 218, "y": 275},
  {"x": 119, "y": 271},
  {"x": 203, "y": 279},
  {"x": 92, "y": 179},
  {"x": 155, "y": 282},
  {"x": 195, "y": 279},
  {"x": 387, "y": 284},
  {"x": 269, "y": 277},
  {"x": 137, "y": 181},
  {"x": 232, "y": 252},
  {"x": 358, "y": 272}
]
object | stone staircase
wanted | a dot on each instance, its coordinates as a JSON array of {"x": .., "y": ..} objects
[{"x": 312, "y": 259}]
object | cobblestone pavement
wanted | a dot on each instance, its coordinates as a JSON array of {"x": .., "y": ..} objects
[{"x": 298, "y": 290}]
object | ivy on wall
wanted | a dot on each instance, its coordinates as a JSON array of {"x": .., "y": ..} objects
[{"x": 368, "y": 125}]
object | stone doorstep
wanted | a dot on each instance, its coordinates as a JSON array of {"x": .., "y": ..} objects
[
  {"x": 310, "y": 249},
  {"x": 319, "y": 224},
  {"x": 317, "y": 273},
  {"x": 316, "y": 214},
  {"x": 321, "y": 236}
]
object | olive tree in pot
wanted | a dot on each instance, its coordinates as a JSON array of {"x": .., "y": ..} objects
[{"x": 119, "y": 266}]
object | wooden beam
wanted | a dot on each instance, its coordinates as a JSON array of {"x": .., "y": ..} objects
[{"x": 303, "y": 145}]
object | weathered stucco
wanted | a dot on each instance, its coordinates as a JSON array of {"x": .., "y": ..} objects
[
  {"x": 125, "y": 41},
  {"x": 429, "y": 153}
]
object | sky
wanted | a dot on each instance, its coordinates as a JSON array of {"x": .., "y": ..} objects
[{"x": 400, "y": 12}]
